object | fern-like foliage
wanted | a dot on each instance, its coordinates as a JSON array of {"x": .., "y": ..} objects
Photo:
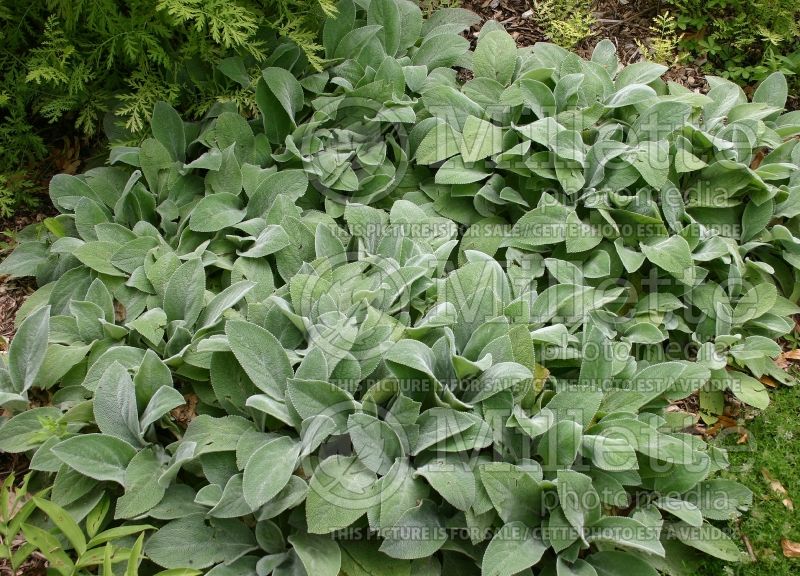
[
  {"x": 741, "y": 39},
  {"x": 566, "y": 22},
  {"x": 297, "y": 21},
  {"x": 662, "y": 45},
  {"x": 66, "y": 65},
  {"x": 428, "y": 7},
  {"x": 227, "y": 23},
  {"x": 15, "y": 190},
  {"x": 143, "y": 92}
]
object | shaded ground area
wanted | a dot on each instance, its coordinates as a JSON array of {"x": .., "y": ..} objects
[
  {"x": 14, "y": 291},
  {"x": 622, "y": 23},
  {"x": 768, "y": 464},
  {"x": 70, "y": 157}
]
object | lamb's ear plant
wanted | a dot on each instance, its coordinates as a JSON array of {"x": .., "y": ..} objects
[{"x": 406, "y": 323}]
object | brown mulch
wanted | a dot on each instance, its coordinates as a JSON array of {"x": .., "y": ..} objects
[
  {"x": 185, "y": 413},
  {"x": 68, "y": 154},
  {"x": 516, "y": 16},
  {"x": 35, "y": 565},
  {"x": 25, "y": 216},
  {"x": 16, "y": 464},
  {"x": 14, "y": 291},
  {"x": 622, "y": 23}
]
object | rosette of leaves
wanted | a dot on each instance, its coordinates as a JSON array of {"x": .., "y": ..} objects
[
  {"x": 356, "y": 142},
  {"x": 615, "y": 171},
  {"x": 580, "y": 171},
  {"x": 461, "y": 365}
]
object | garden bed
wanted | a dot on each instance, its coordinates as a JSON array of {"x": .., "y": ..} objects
[
  {"x": 14, "y": 291},
  {"x": 405, "y": 320},
  {"x": 622, "y": 23}
]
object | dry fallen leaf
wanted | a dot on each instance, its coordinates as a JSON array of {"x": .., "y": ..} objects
[
  {"x": 778, "y": 488},
  {"x": 774, "y": 484},
  {"x": 749, "y": 548},
  {"x": 759, "y": 156},
  {"x": 723, "y": 422},
  {"x": 767, "y": 381},
  {"x": 790, "y": 355},
  {"x": 119, "y": 311},
  {"x": 185, "y": 413},
  {"x": 790, "y": 549}
]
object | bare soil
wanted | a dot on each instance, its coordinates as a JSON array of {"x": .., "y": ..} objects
[{"x": 621, "y": 22}]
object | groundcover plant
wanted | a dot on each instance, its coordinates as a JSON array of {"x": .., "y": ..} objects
[{"x": 410, "y": 322}]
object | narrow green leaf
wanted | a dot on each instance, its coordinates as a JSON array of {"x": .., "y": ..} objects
[{"x": 64, "y": 522}]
